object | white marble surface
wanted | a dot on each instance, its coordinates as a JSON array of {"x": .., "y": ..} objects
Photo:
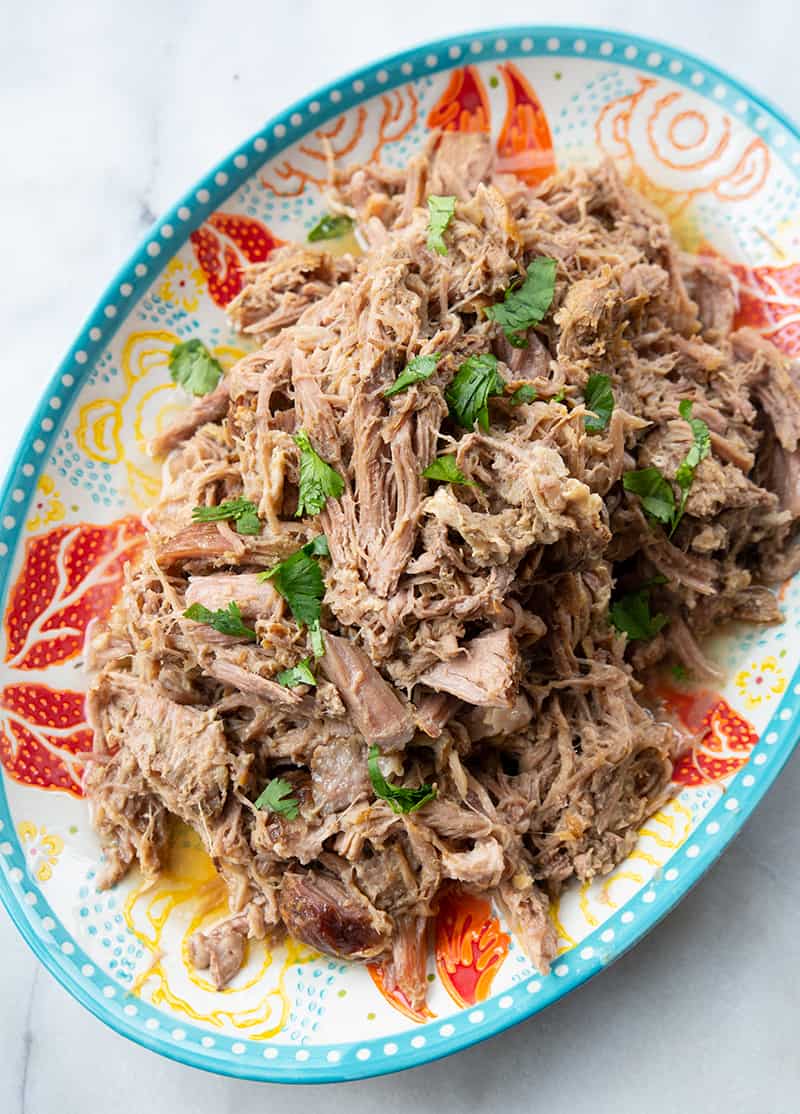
[{"x": 107, "y": 112}]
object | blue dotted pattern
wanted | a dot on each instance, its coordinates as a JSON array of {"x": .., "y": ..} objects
[{"x": 48, "y": 938}]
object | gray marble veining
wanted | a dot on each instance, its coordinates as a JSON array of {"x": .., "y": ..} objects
[{"x": 108, "y": 111}]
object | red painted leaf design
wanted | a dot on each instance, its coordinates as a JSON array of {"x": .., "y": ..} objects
[
  {"x": 463, "y": 106},
  {"x": 224, "y": 245},
  {"x": 470, "y": 947},
  {"x": 395, "y": 997},
  {"x": 525, "y": 145},
  {"x": 723, "y": 738},
  {"x": 70, "y": 575},
  {"x": 43, "y": 736},
  {"x": 769, "y": 300}
]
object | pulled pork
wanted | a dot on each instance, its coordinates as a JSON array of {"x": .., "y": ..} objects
[{"x": 467, "y": 633}]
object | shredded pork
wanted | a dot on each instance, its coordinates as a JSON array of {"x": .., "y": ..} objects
[{"x": 466, "y": 626}]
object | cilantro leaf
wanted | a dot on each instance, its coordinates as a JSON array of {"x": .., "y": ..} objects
[
  {"x": 400, "y": 799},
  {"x": 468, "y": 394},
  {"x": 317, "y": 547},
  {"x": 299, "y": 580},
  {"x": 560, "y": 395},
  {"x": 299, "y": 674},
  {"x": 192, "y": 367},
  {"x": 242, "y": 511},
  {"x": 700, "y": 449},
  {"x": 227, "y": 620},
  {"x": 525, "y": 305},
  {"x": 680, "y": 672},
  {"x": 598, "y": 397},
  {"x": 317, "y": 640},
  {"x": 444, "y": 468},
  {"x": 631, "y": 614},
  {"x": 275, "y": 798},
  {"x": 655, "y": 493},
  {"x": 421, "y": 367},
  {"x": 330, "y": 227},
  {"x": 523, "y": 394},
  {"x": 440, "y": 213},
  {"x": 318, "y": 481}
]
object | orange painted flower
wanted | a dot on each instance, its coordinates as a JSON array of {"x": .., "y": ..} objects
[
  {"x": 769, "y": 300},
  {"x": 395, "y": 997},
  {"x": 463, "y": 106},
  {"x": 470, "y": 947},
  {"x": 525, "y": 145}
]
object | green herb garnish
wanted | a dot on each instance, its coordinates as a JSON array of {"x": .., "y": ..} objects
[
  {"x": 330, "y": 227},
  {"x": 440, "y": 213},
  {"x": 421, "y": 367},
  {"x": 192, "y": 367},
  {"x": 684, "y": 477},
  {"x": 656, "y": 495},
  {"x": 242, "y": 511},
  {"x": 525, "y": 393},
  {"x": 525, "y": 305},
  {"x": 560, "y": 395},
  {"x": 631, "y": 614},
  {"x": 598, "y": 397},
  {"x": 655, "y": 492},
  {"x": 318, "y": 481},
  {"x": 299, "y": 674},
  {"x": 299, "y": 580},
  {"x": 227, "y": 620},
  {"x": 274, "y": 798},
  {"x": 680, "y": 672},
  {"x": 399, "y": 798},
  {"x": 444, "y": 468},
  {"x": 467, "y": 396}
]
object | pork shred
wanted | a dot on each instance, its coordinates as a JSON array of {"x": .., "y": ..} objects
[{"x": 466, "y": 626}]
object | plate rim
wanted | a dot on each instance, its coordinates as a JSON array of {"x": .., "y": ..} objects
[{"x": 172, "y": 230}]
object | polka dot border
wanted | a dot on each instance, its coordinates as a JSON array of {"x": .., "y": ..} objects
[{"x": 46, "y": 935}]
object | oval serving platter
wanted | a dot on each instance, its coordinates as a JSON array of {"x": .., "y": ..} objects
[{"x": 724, "y": 167}]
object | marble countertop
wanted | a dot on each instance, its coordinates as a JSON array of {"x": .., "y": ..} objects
[{"x": 108, "y": 112}]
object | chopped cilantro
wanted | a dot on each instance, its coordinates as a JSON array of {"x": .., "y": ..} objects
[
  {"x": 440, "y": 213},
  {"x": 599, "y": 399},
  {"x": 242, "y": 511},
  {"x": 525, "y": 305},
  {"x": 399, "y": 798},
  {"x": 468, "y": 394},
  {"x": 523, "y": 394},
  {"x": 444, "y": 468},
  {"x": 226, "y": 620},
  {"x": 299, "y": 674},
  {"x": 330, "y": 227},
  {"x": 192, "y": 367},
  {"x": 275, "y": 798},
  {"x": 656, "y": 495},
  {"x": 318, "y": 481},
  {"x": 700, "y": 449},
  {"x": 421, "y": 367},
  {"x": 299, "y": 580},
  {"x": 631, "y": 614}
]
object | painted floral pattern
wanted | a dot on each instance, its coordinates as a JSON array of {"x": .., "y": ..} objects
[
  {"x": 761, "y": 682},
  {"x": 47, "y": 506},
  {"x": 43, "y": 736},
  {"x": 224, "y": 246},
  {"x": 69, "y": 575},
  {"x": 42, "y": 848},
  {"x": 182, "y": 285}
]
